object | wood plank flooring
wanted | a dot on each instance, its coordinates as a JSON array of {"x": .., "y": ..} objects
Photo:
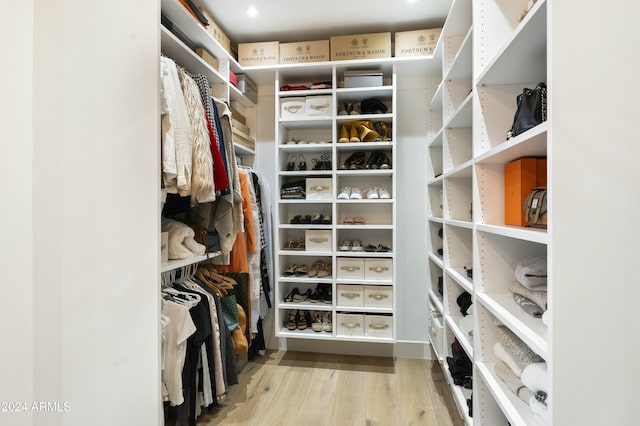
[{"x": 300, "y": 388}]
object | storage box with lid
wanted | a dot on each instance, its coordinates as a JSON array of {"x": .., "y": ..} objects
[
  {"x": 319, "y": 188},
  {"x": 378, "y": 269},
  {"x": 208, "y": 58},
  {"x": 256, "y": 54},
  {"x": 417, "y": 43},
  {"x": 363, "y": 78},
  {"x": 378, "y": 296},
  {"x": 216, "y": 32},
  {"x": 350, "y": 296},
  {"x": 350, "y": 324},
  {"x": 436, "y": 331},
  {"x": 304, "y": 51},
  {"x": 378, "y": 326},
  {"x": 317, "y": 240},
  {"x": 361, "y": 46},
  {"x": 248, "y": 88},
  {"x": 350, "y": 268},
  {"x": 520, "y": 176},
  {"x": 293, "y": 108},
  {"x": 318, "y": 106}
]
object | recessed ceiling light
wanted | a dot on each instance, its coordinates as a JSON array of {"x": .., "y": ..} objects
[
  {"x": 412, "y": 1},
  {"x": 252, "y": 11}
]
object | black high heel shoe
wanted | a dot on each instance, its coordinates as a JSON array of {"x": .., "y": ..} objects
[
  {"x": 302, "y": 162},
  {"x": 291, "y": 166}
]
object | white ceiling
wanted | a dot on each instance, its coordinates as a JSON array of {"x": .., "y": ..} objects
[{"x": 303, "y": 20}]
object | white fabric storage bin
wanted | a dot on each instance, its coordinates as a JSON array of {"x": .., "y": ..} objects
[
  {"x": 350, "y": 296},
  {"x": 350, "y": 325},
  {"x": 319, "y": 189},
  {"x": 317, "y": 240},
  {"x": 436, "y": 332},
  {"x": 350, "y": 268},
  {"x": 318, "y": 106},
  {"x": 292, "y": 108},
  {"x": 378, "y": 296},
  {"x": 378, "y": 270},
  {"x": 378, "y": 326}
]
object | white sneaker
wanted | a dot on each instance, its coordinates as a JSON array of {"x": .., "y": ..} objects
[
  {"x": 345, "y": 193},
  {"x": 345, "y": 246},
  {"x": 383, "y": 194},
  {"x": 372, "y": 194},
  {"x": 356, "y": 194},
  {"x": 356, "y": 245}
]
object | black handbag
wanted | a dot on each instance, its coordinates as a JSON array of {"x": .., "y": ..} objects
[{"x": 531, "y": 110}]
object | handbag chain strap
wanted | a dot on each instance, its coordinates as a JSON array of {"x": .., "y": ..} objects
[{"x": 544, "y": 103}]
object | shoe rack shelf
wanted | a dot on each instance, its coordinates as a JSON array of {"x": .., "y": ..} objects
[
  {"x": 315, "y": 139},
  {"x": 489, "y": 55}
]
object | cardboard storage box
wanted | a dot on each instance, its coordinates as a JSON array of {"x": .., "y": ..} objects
[
  {"x": 361, "y": 46},
  {"x": 378, "y": 326},
  {"x": 317, "y": 240},
  {"x": 350, "y": 325},
  {"x": 255, "y": 54},
  {"x": 243, "y": 139},
  {"x": 520, "y": 176},
  {"x": 318, "y": 106},
  {"x": 293, "y": 108},
  {"x": 378, "y": 269},
  {"x": 350, "y": 296},
  {"x": 417, "y": 43},
  {"x": 208, "y": 58},
  {"x": 248, "y": 88},
  {"x": 350, "y": 268},
  {"x": 319, "y": 188},
  {"x": 304, "y": 51},
  {"x": 216, "y": 32},
  {"x": 378, "y": 296},
  {"x": 363, "y": 78}
]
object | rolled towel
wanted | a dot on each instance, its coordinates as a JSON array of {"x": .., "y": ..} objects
[
  {"x": 525, "y": 394},
  {"x": 531, "y": 272},
  {"x": 504, "y": 356},
  {"x": 519, "y": 351},
  {"x": 539, "y": 297},
  {"x": 536, "y": 377},
  {"x": 528, "y": 306},
  {"x": 506, "y": 374}
]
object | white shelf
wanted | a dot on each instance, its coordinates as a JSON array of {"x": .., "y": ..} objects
[
  {"x": 532, "y": 143},
  {"x": 357, "y": 146},
  {"x": 179, "y": 263},
  {"x": 459, "y": 223},
  {"x": 461, "y": 118},
  {"x": 535, "y": 235},
  {"x": 438, "y": 138},
  {"x": 364, "y": 310},
  {"x": 372, "y": 117},
  {"x": 452, "y": 323},
  {"x": 363, "y": 282},
  {"x": 307, "y": 147},
  {"x": 459, "y": 18},
  {"x": 460, "y": 396},
  {"x": 464, "y": 170},
  {"x": 304, "y": 93},
  {"x": 437, "y": 260},
  {"x": 531, "y": 330},
  {"x": 436, "y": 302},
  {"x": 364, "y": 254},
  {"x": 460, "y": 276},
  {"x": 461, "y": 64},
  {"x": 436, "y": 101}
]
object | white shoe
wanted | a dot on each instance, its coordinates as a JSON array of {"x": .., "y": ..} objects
[
  {"x": 372, "y": 194},
  {"x": 345, "y": 245},
  {"x": 356, "y": 245},
  {"x": 383, "y": 194},
  {"x": 356, "y": 194},
  {"x": 345, "y": 193}
]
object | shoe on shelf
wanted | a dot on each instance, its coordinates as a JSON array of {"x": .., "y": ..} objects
[
  {"x": 291, "y": 269},
  {"x": 345, "y": 133},
  {"x": 295, "y": 244},
  {"x": 355, "y": 161},
  {"x": 345, "y": 193},
  {"x": 355, "y": 109},
  {"x": 302, "y": 162},
  {"x": 382, "y": 248},
  {"x": 356, "y": 245},
  {"x": 345, "y": 245},
  {"x": 372, "y": 193},
  {"x": 313, "y": 270},
  {"x": 356, "y": 194},
  {"x": 300, "y": 270},
  {"x": 327, "y": 297},
  {"x": 325, "y": 219},
  {"x": 293, "y": 141},
  {"x": 301, "y": 320},
  {"x": 288, "y": 298},
  {"x": 344, "y": 109},
  {"x": 291, "y": 165},
  {"x": 358, "y": 220},
  {"x": 292, "y": 320},
  {"x": 316, "y": 219},
  {"x": 383, "y": 193},
  {"x": 324, "y": 270},
  {"x": 382, "y": 161},
  {"x": 368, "y": 135},
  {"x": 353, "y": 134},
  {"x": 301, "y": 297},
  {"x": 370, "y": 248},
  {"x": 326, "y": 322},
  {"x": 317, "y": 324},
  {"x": 348, "y": 220}
]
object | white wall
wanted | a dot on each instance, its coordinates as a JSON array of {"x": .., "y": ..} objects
[
  {"x": 79, "y": 228},
  {"x": 16, "y": 169},
  {"x": 595, "y": 202}
]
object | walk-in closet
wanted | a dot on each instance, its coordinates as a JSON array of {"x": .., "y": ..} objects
[{"x": 277, "y": 213}]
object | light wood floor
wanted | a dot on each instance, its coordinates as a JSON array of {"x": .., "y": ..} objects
[{"x": 298, "y": 388}]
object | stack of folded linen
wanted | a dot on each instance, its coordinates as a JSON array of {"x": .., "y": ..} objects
[{"x": 530, "y": 289}]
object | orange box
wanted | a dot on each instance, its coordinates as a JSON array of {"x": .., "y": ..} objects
[{"x": 520, "y": 176}]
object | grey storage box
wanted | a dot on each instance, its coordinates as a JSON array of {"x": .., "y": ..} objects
[{"x": 363, "y": 78}]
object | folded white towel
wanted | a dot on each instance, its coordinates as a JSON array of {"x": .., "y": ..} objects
[
  {"x": 536, "y": 377},
  {"x": 182, "y": 244},
  {"x": 531, "y": 272}
]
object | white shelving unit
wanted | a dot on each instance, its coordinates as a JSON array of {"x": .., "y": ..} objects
[{"x": 379, "y": 214}]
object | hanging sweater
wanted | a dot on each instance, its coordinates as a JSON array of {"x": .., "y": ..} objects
[{"x": 175, "y": 130}]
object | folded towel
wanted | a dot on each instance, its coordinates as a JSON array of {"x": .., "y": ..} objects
[
  {"x": 504, "y": 356},
  {"x": 536, "y": 377},
  {"x": 539, "y": 297},
  {"x": 517, "y": 349},
  {"x": 182, "y": 244},
  {"x": 531, "y": 272},
  {"x": 528, "y": 306}
]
